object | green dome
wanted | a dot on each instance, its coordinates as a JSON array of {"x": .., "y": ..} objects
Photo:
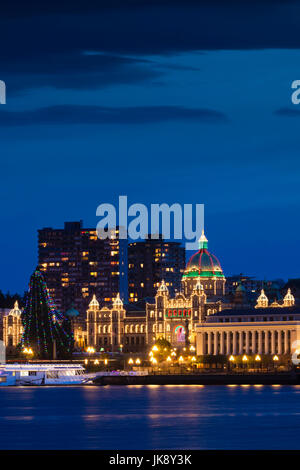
[
  {"x": 240, "y": 288},
  {"x": 72, "y": 312},
  {"x": 203, "y": 263}
]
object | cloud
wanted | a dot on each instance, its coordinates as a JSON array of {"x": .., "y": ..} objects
[
  {"x": 44, "y": 44},
  {"x": 78, "y": 114},
  {"x": 75, "y": 70}
]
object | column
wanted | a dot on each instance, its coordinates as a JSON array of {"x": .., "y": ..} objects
[
  {"x": 273, "y": 350},
  {"x": 253, "y": 342},
  {"x": 200, "y": 343},
  {"x": 279, "y": 342},
  {"x": 228, "y": 348},
  {"x": 260, "y": 342},
  {"x": 209, "y": 343},
  {"x": 247, "y": 341},
  {"x": 216, "y": 343},
  {"x": 222, "y": 343},
  {"x": 234, "y": 342},
  {"x": 266, "y": 342},
  {"x": 241, "y": 342},
  {"x": 286, "y": 342}
]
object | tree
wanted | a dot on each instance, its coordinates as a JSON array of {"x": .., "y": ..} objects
[
  {"x": 162, "y": 343},
  {"x": 46, "y": 331},
  {"x": 7, "y": 300}
]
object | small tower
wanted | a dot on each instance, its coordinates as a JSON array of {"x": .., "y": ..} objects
[
  {"x": 94, "y": 304},
  {"x": 12, "y": 327},
  {"x": 162, "y": 295},
  {"x": 289, "y": 299},
  {"x": 262, "y": 300},
  {"x": 162, "y": 288},
  {"x": 117, "y": 303},
  {"x": 240, "y": 295}
]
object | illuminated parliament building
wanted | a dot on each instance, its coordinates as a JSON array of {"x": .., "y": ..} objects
[
  {"x": 200, "y": 315},
  {"x": 136, "y": 327}
]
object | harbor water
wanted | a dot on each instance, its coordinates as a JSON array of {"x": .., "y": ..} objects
[{"x": 150, "y": 417}]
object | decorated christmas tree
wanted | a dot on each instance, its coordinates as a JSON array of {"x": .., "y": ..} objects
[{"x": 46, "y": 331}]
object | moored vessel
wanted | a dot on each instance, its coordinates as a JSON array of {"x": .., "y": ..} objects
[{"x": 43, "y": 374}]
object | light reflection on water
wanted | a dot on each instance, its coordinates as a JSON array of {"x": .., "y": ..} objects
[{"x": 150, "y": 417}]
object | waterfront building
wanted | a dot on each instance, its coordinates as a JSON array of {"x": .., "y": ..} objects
[
  {"x": 135, "y": 327},
  {"x": 149, "y": 262},
  {"x": 77, "y": 264},
  {"x": 12, "y": 328},
  {"x": 265, "y": 329}
]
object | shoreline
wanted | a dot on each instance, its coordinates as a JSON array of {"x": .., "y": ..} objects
[{"x": 203, "y": 379}]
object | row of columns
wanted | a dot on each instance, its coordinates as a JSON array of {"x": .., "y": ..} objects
[{"x": 220, "y": 342}]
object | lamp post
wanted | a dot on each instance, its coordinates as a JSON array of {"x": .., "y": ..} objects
[
  {"x": 231, "y": 361},
  {"x": 275, "y": 361},
  {"x": 245, "y": 360},
  {"x": 28, "y": 352},
  {"x": 258, "y": 359}
]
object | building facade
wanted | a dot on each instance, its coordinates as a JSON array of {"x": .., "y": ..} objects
[
  {"x": 265, "y": 329},
  {"x": 77, "y": 264},
  {"x": 12, "y": 328},
  {"x": 136, "y": 326},
  {"x": 149, "y": 262}
]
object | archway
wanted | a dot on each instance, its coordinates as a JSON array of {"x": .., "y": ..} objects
[{"x": 179, "y": 334}]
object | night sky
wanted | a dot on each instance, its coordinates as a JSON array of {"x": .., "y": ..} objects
[{"x": 162, "y": 101}]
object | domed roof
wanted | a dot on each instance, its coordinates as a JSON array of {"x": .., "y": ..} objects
[
  {"x": 117, "y": 301},
  {"x": 240, "y": 288},
  {"x": 162, "y": 287},
  {"x": 94, "y": 303},
  {"x": 203, "y": 263},
  {"x": 72, "y": 312},
  {"x": 15, "y": 311}
]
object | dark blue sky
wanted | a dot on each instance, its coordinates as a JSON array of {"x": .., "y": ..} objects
[{"x": 178, "y": 101}]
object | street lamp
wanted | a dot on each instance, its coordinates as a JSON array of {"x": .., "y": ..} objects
[
  {"x": 181, "y": 359},
  {"x": 275, "y": 358},
  {"x": 231, "y": 358},
  {"x": 90, "y": 350},
  {"x": 138, "y": 361},
  {"x": 169, "y": 359},
  {"x": 130, "y": 361},
  {"x": 28, "y": 351},
  {"x": 155, "y": 348},
  {"x": 245, "y": 358},
  {"x": 257, "y": 358}
]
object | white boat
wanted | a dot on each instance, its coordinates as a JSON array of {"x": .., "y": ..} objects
[{"x": 43, "y": 374}]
